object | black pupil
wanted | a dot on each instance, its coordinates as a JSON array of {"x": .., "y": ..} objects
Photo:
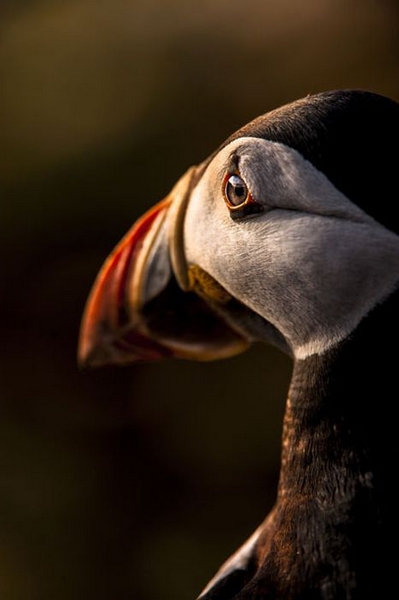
[{"x": 236, "y": 190}]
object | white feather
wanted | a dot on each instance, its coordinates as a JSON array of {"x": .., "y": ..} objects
[{"x": 313, "y": 263}]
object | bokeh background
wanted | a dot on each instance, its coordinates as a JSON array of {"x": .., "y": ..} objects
[{"x": 138, "y": 482}]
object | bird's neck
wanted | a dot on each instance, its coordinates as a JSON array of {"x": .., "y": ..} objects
[
  {"x": 339, "y": 418},
  {"x": 334, "y": 511}
]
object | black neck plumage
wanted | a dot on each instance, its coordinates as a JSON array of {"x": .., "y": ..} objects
[
  {"x": 328, "y": 536},
  {"x": 332, "y": 532}
]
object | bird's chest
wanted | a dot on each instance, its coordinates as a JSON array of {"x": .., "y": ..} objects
[{"x": 319, "y": 551}]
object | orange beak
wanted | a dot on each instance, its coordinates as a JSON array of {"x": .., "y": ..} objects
[
  {"x": 107, "y": 336},
  {"x": 141, "y": 306}
]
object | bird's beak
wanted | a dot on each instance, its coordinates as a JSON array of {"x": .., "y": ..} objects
[{"x": 147, "y": 304}]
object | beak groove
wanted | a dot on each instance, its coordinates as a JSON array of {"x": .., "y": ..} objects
[{"x": 177, "y": 212}]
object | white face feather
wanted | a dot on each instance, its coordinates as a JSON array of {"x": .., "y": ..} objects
[{"x": 312, "y": 264}]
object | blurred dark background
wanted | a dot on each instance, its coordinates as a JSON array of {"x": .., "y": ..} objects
[{"x": 138, "y": 482}]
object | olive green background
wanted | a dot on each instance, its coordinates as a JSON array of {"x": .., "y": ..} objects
[{"x": 137, "y": 483}]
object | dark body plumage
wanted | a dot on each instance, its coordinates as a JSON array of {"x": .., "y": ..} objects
[
  {"x": 332, "y": 532},
  {"x": 330, "y": 535}
]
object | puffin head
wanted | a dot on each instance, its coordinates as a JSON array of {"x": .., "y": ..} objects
[{"x": 286, "y": 234}]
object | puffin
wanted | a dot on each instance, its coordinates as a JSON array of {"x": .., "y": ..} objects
[{"x": 288, "y": 235}]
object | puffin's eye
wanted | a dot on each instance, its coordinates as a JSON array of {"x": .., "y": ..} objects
[
  {"x": 235, "y": 191},
  {"x": 238, "y": 198}
]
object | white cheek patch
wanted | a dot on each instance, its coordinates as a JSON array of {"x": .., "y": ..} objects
[{"x": 313, "y": 264}]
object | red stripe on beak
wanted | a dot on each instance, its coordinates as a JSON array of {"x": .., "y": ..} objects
[{"x": 107, "y": 333}]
